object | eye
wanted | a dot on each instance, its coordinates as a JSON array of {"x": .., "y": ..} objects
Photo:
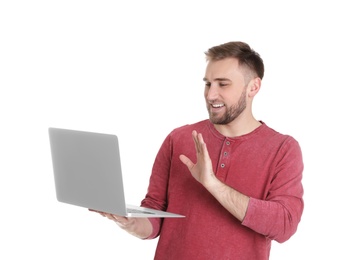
[
  {"x": 223, "y": 84},
  {"x": 207, "y": 84}
]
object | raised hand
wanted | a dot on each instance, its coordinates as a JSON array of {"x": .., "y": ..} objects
[{"x": 202, "y": 170}]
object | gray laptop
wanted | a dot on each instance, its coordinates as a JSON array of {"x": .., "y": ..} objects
[{"x": 87, "y": 173}]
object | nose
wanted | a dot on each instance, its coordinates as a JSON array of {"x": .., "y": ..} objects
[{"x": 211, "y": 93}]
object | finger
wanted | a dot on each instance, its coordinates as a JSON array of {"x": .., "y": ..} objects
[
  {"x": 99, "y": 212},
  {"x": 195, "y": 139},
  {"x": 200, "y": 143},
  {"x": 109, "y": 216},
  {"x": 120, "y": 218},
  {"x": 121, "y": 221},
  {"x": 186, "y": 161},
  {"x": 203, "y": 146}
]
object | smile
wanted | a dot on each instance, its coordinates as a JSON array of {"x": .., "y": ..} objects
[{"x": 217, "y": 105}]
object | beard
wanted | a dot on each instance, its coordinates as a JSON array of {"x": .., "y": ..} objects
[{"x": 231, "y": 113}]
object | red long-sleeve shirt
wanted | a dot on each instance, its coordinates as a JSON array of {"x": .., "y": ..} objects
[{"x": 265, "y": 165}]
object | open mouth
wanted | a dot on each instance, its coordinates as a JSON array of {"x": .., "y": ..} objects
[{"x": 217, "y": 105}]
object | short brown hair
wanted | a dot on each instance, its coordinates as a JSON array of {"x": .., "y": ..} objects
[{"x": 241, "y": 51}]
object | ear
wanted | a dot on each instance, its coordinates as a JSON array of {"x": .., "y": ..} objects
[{"x": 254, "y": 86}]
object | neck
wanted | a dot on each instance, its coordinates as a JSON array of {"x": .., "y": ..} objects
[{"x": 238, "y": 127}]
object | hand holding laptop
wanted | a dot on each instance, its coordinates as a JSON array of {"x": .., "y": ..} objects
[
  {"x": 139, "y": 227},
  {"x": 120, "y": 220}
]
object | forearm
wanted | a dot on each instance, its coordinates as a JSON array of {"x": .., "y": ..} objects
[
  {"x": 276, "y": 219},
  {"x": 232, "y": 200}
]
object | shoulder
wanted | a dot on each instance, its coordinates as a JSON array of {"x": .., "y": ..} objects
[
  {"x": 187, "y": 129},
  {"x": 281, "y": 142},
  {"x": 274, "y": 135},
  {"x": 276, "y": 142}
]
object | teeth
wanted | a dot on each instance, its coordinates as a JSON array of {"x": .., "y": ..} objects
[{"x": 217, "y": 105}]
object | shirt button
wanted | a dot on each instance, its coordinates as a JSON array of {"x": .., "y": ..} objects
[
  {"x": 225, "y": 153},
  {"x": 227, "y": 142},
  {"x": 222, "y": 165}
]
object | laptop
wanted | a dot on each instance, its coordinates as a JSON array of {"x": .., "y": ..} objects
[{"x": 87, "y": 173}]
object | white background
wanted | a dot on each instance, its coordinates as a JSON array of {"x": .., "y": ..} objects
[{"x": 135, "y": 69}]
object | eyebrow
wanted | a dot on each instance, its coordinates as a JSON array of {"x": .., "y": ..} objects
[{"x": 218, "y": 79}]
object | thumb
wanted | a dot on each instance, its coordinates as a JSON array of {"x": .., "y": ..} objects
[{"x": 186, "y": 161}]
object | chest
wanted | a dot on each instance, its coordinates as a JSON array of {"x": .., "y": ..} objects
[{"x": 249, "y": 168}]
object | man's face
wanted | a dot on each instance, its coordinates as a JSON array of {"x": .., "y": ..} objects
[{"x": 225, "y": 91}]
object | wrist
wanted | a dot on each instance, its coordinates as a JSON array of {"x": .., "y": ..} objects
[{"x": 212, "y": 182}]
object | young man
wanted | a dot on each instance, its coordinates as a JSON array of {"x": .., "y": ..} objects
[{"x": 237, "y": 181}]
